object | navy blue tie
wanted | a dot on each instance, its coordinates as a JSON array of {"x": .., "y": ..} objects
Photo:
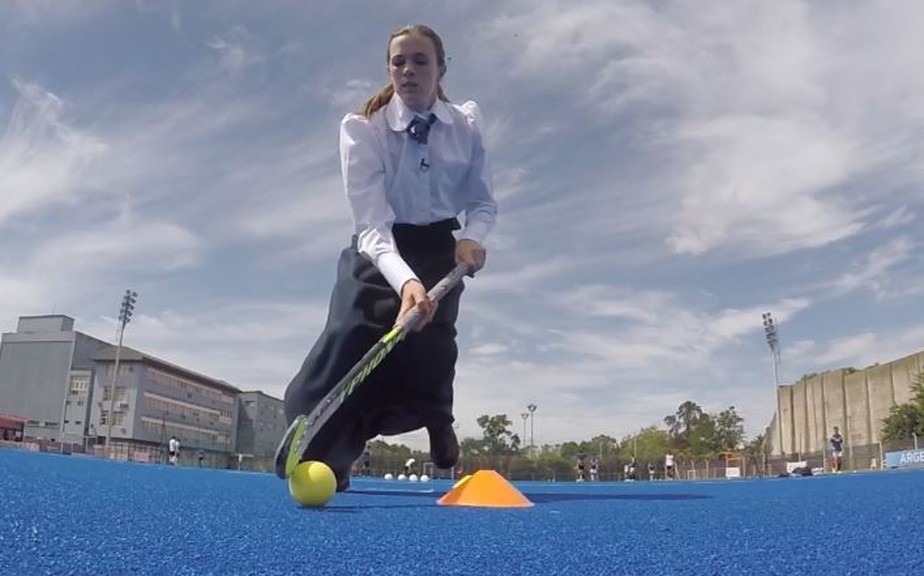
[{"x": 419, "y": 128}]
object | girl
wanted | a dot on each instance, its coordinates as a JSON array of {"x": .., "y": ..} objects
[{"x": 411, "y": 163}]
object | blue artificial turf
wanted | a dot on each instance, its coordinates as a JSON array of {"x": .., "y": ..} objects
[{"x": 75, "y": 515}]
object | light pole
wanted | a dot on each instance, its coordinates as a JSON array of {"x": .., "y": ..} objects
[
  {"x": 525, "y": 416},
  {"x": 125, "y": 316},
  {"x": 773, "y": 341},
  {"x": 532, "y": 418}
]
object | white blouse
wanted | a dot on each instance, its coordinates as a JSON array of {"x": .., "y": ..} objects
[{"x": 390, "y": 178}]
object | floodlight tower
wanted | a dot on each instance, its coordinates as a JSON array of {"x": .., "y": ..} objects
[
  {"x": 532, "y": 419},
  {"x": 773, "y": 340},
  {"x": 125, "y": 316},
  {"x": 525, "y": 416}
]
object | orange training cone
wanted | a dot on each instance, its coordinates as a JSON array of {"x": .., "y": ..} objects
[{"x": 485, "y": 488}]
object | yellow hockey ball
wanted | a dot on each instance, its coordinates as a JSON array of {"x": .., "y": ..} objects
[{"x": 312, "y": 483}]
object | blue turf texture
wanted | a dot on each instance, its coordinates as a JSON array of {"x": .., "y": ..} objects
[{"x": 76, "y": 515}]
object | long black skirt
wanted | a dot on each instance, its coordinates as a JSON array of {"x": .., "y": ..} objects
[{"x": 412, "y": 387}]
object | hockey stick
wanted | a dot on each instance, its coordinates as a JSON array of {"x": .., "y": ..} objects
[{"x": 304, "y": 428}]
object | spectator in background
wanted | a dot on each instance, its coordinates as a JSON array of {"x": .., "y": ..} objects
[
  {"x": 200, "y": 455},
  {"x": 837, "y": 450},
  {"x": 669, "y": 465},
  {"x": 173, "y": 449},
  {"x": 594, "y": 470},
  {"x": 365, "y": 461}
]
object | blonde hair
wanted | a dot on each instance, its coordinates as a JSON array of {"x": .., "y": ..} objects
[{"x": 383, "y": 96}]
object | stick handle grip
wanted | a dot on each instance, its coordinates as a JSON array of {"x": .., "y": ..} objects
[{"x": 412, "y": 318}]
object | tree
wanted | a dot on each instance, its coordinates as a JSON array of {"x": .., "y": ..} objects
[
  {"x": 756, "y": 453},
  {"x": 649, "y": 444},
  {"x": 756, "y": 446},
  {"x": 729, "y": 430},
  {"x": 570, "y": 450},
  {"x": 602, "y": 445},
  {"x": 386, "y": 451},
  {"x": 906, "y": 420},
  {"x": 497, "y": 437},
  {"x": 469, "y": 447},
  {"x": 682, "y": 423},
  {"x": 702, "y": 440}
]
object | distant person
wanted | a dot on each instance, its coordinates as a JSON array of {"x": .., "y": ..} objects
[
  {"x": 633, "y": 466},
  {"x": 580, "y": 468},
  {"x": 173, "y": 449},
  {"x": 837, "y": 449},
  {"x": 365, "y": 462},
  {"x": 594, "y": 470},
  {"x": 669, "y": 465},
  {"x": 200, "y": 456},
  {"x": 651, "y": 470}
]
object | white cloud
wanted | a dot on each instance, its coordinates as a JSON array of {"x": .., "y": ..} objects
[
  {"x": 236, "y": 51},
  {"x": 351, "y": 95},
  {"x": 872, "y": 273},
  {"x": 127, "y": 244},
  {"x": 900, "y": 216},
  {"x": 867, "y": 348},
  {"x": 250, "y": 344},
  {"x": 758, "y": 134},
  {"x": 42, "y": 158}
]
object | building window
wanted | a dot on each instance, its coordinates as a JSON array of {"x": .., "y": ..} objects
[
  {"x": 104, "y": 418},
  {"x": 79, "y": 385},
  {"x": 119, "y": 395}
]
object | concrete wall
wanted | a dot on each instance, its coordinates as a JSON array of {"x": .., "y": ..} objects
[
  {"x": 904, "y": 373},
  {"x": 261, "y": 424},
  {"x": 36, "y": 364},
  {"x": 786, "y": 408},
  {"x": 856, "y": 428},
  {"x": 881, "y": 394},
  {"x": 44, "y": 324},
  {"x": 77, "y": 407},
  {"x": 856, "y": 402},
  {"x": 34, "y": 378}
]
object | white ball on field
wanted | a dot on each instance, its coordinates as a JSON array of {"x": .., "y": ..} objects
[
  {"x": 389, "y": 476},
  {"x": 424, "y": 478},
  {"x": 402, "y": 477},
  {"x": 412, "y": 477}
]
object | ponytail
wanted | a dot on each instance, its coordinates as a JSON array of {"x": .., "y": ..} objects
[
  {"x": 381, "y": 99},
  {"x": 378, "y": 100}
]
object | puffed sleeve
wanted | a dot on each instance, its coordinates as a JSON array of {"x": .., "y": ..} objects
[
  {"x": 363, "y": 170},
  {"x": 479, "y": 205}
]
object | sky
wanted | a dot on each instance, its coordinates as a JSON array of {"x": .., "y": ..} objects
[{"x": 666, "y": 172}]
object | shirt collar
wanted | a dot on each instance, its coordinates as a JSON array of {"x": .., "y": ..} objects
[{"x": 399, "y": 116}]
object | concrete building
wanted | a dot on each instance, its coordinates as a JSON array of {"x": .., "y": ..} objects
[
  {"x": 155, "y": 400},
  {"x": 261, "y": 423},
  {"x": 62, "y": 383},
  {"x": 45, "y": 374},
  {"x": 856, "y": 401}
]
